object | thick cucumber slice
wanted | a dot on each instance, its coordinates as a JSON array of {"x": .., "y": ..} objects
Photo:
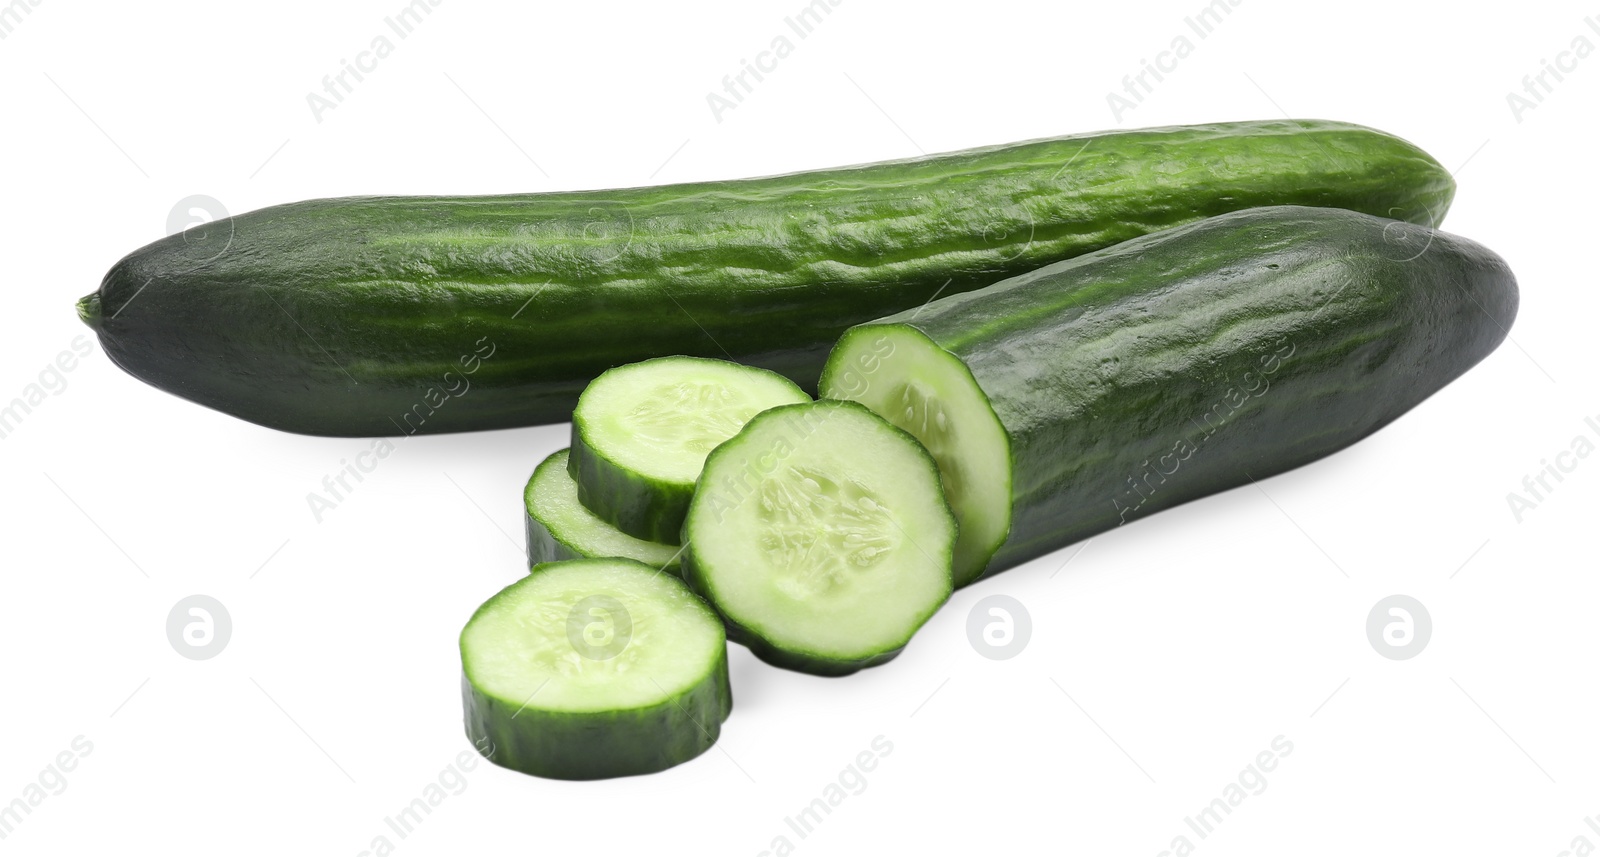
[
  {"x": 903, "y": 375},
  {"x": 560, "y": 527},
  {"x": 821, "y": 534},
  {"x": 641, "y": 433},
  {"x": 594, "y": 668}
]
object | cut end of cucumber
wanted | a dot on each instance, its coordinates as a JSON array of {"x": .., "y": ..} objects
[
  {"x": 909, "y": 380},
  {"x": 662, "y": 417},
  {"x": 561, "y": 527},
  {"x": 822, "y": 535}
]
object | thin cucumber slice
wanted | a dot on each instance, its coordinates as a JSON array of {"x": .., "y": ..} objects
[
  {"x": 821, "y": 534},
  {"x": 594, "y": 668},
  {"x": 903, "y": 375},
  {"x": 560, "y": 527},
  {"x": 641, "y": 433}
]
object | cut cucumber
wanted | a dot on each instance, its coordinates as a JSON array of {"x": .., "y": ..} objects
[
  {"x": 594, "y": 668},
  {"x": 821, "y": 534},
  {"x": 1089, "y": 393},
  {"x": 641, "y": 433},
  {"x": 560, "y": 527}
]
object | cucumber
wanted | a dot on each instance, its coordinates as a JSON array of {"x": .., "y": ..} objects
[
  {"x": 403, "y": 315},
  {"x": 1089, "y": 393},
  {"x": 559, "y": 527},
  {"x": 821, "y": 535},
  {"x": 594, "y": 668},
  {"x": 641, "y": 433}
]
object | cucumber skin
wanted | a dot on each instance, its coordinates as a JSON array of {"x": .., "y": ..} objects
[
  {"x": 565, "y": 746},
  {"x": 375, "y": 316},
  {"x": 545, "y": 546},
  {"x": 799, "y": 661},
  {"x": 642, "y": 507},
  {"x": 1097, "y": 366},
  {"x": 806, "y": 662}
]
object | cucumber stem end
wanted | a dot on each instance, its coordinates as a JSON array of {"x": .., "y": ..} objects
[{"x": 89, "y": 309}]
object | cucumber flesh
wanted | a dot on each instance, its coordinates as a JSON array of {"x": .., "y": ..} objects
[
  {"x": 594, "y": 668},
  {"x": 641, "y": 433},
  {"x": 560, "y": 527},
  {"x": 905, "y": 377},
  {"x": 821, "y": 534}
]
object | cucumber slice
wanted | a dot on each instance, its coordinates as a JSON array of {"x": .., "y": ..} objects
[
  {"x": 560, "y": 527},
  {"x": 821, "y": 534},
  {"x": 641, "y": 433},
  {"x": 903, "y": 375},
  {"x": 594, "y": 668}
]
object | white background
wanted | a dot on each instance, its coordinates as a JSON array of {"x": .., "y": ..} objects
[{"x": 1163, "y": 658}]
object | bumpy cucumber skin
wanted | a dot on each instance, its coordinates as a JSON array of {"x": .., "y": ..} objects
[
  {"x": 788, "y": 658},
  {"x": 598, "y": 745},
  {"x": 545, "y": 546},
  {"x": 1100, "y": 369},
  {"x": 401, "y": 315}
]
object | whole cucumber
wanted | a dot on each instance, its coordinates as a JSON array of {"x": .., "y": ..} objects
[{"x": 400, "y": 315}]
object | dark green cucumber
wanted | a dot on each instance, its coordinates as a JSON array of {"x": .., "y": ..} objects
[
  {"x": 821, "y": 535},
  {"x": 1089, "y": 393},
  {"x": 400, "y": 315},
  {"x": 641, "y": 433},
  {"x": 594, "y": 668},
  {"x": 560, "y": 527}
]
